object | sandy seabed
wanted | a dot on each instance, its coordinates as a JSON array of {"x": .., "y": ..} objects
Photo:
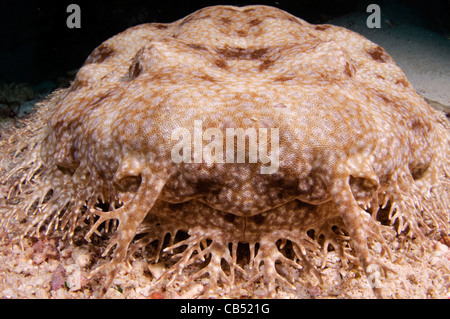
[{"x": 47, "y": 269}]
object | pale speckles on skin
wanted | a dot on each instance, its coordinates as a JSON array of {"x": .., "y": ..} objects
[{"x": 353, "y": 134}]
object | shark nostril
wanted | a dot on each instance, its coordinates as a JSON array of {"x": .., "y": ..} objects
[{"x": 129, "y": 183}]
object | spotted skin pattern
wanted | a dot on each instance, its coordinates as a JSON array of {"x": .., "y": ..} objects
[{"x": 362, "y": 157}]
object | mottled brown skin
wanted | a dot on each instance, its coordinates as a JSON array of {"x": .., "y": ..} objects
[{"x": 355, "y": 140}]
